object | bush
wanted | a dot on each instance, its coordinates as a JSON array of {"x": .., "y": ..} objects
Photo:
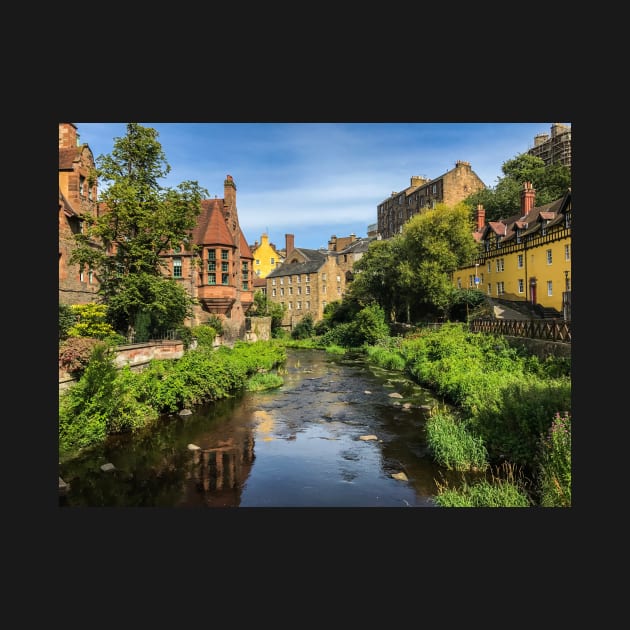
[
  {"x": 75, "y": 353},
  {"x": 67, "y": 318},
  {"x": 304, "y": 328},
  {"x": 555, "y": 463}
]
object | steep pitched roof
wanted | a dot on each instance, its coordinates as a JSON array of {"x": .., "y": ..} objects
[{"x": 211, "y": 228}]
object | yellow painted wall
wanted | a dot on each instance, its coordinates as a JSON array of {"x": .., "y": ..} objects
[
  {"x": 264, "y": 254},
  {"x": 533, "y": 263}
]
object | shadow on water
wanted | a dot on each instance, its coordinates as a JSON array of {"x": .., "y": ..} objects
[{"x": 338, "y": 433}]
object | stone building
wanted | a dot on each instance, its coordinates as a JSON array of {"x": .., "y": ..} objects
[
  {"x": 77, "y": 200},
  {"x": 554, "y": 149},
  {"x": 423, "y": 194},
  {"x": 309, "y": 279}
]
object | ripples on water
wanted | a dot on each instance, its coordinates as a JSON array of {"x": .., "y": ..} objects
[{"x": 331, "y": 436}]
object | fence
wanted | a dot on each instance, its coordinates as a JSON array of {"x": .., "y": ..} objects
[{"x": 546, "y": 329}]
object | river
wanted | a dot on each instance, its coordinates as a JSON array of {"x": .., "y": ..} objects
[{"x": 338, "y": 433}]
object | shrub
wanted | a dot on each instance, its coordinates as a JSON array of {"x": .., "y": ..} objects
[
  {"x": 452, "y": 444},
  {"x": 75, "y": 353},
  {"x": 90, "y": 321},
  {"x": 555, "y": 463},
  {"x": 67, "y": 318}
]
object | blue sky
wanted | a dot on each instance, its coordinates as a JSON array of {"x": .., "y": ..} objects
[{"x": 313, "y": 179}]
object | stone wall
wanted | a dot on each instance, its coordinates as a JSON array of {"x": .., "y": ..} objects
[{"x": 136, "y": 356}]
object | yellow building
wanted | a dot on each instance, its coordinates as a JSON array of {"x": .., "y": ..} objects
[
  {"x": 525, "y": 258},
  {"x": 266, "y": 257}
]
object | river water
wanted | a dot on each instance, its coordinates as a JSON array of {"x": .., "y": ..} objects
[{"x": 338, "y": 433}]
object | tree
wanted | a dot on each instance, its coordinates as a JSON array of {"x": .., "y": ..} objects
[
  {"x": 264, "y": 307},
  {"x": 504, "y": 200},
  {"x": 436, "y": 243},
  {"x": 140, "y": 222}
]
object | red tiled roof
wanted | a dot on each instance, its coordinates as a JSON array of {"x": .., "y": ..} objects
[{"x": 211, "y": 228}]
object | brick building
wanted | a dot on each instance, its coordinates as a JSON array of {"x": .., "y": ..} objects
[
  {"x": 77, "y": 199},
  {"x": 216, "y": 266},
  {"x": 423, "y": 194}
]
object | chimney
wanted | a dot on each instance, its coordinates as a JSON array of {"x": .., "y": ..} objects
[
  {"x": 528, "y": 196},
  {"x": 68, "y": 137},
  {"x": 229, "y": 193},
  {"x": 481, "y": 217},
  {"x": 289, "y": 240}
]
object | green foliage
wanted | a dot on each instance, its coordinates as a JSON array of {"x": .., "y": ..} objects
[
  {"x": 264, "y": 307},
  {"x": 505, "y": 489},
  {"x": 91, "y": 321},
  {"x": 107, "y": 401},
  {"x": 142, "y": 222},
  {"x": 149, "y": 305},
  {"x": 513, "y": 428},
  {"x": 555, "y": 463},
  {"x": 263, "y": 381},
  {"x": 466, "y": 304},
  {"x": 504, "y": 200},
  {"x": 452, "y": 444},
  {"x": 386, "y": 357},
  {"x": 304, "y": 328},
  {"x": 205, "y": 335},
  {"x": 67, "y": 317},
  {"x": 215, "y": 322}
]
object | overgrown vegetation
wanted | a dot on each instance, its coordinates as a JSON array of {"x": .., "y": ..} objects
[{"x": 106, "y": 401}]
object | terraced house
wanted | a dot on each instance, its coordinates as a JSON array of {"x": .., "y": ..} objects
[
  {"x": 526, "y": 257},
  {"x": 423, "y": 194}
]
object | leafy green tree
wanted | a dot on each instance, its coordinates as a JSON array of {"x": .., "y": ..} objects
[
  {"x": 140, "y": 222},
  {"x": 377, "y": 277},
  {"x": 504, "y": 200},
  {"x": 264, "y": 307},
  {"x": 435, "y": 244}
]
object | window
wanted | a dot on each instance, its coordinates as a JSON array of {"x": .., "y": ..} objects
[
  {"x": 212, "y": 266},
  {"x": 290, "y": 290},
  {"x": 459, "y": 283},
  {"x": 308, "y": 290},
  {"x": 224, "y": 278},
  {"x": 481, "y": 279},
  {"x": 81, "y": 276},
  {"x": 244, "y": 267},
  {"x": 212, "y": 278},
  {"x": 212, "y": 255},
  {"x": 299, "y": 279},
  {"x": 521, "y": 285},
  {"x": 258, "y": 261},
  {"x": 245, "y": 285},
  {"x": 519, "y": 262},
  {"x": 299, "y": 290},
  {"x": 272, "y": 261},
  {"x": 338, "y": 278},
  {"x": 225, "y": 268},
  {"x": 273, "y": 293},
  {"x": 307, "y": 278},
  {"x": 273, "y": 282},
  {"x": 282, "y": 292},
  {"x": 90, "y": 276},
  {"x": 324, "y": 289},
  {"x": 225, "y": 254},
  {"x": 298, "y": 306},
  {"x": 324, "y": 277},
  {"x": 489, "y": 288},
  {"x": 500, "y": 288},
  {"x": 549, "y": 258},
  {"x": 81, "y": 185},
  {"x": 177, "y": 267},
  {"x": 567, "y": 252},
  {"x": 489, "y": 268},
  {"x": 281, "y": 280},
  {"x": 289, "y": 280},
  {"x": 549, "y": 288},
  {"x": 500, "y": 264},
  {"x": 308, "y": 305},
  {"x": 290, "y": 306}
]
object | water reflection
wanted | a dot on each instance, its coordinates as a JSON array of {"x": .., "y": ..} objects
[{"x": 338, "y": 433}]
